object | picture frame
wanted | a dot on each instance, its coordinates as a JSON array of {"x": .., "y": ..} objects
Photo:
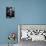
[{"x": 10, "y": 12}]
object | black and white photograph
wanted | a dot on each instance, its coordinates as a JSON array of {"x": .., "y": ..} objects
[
  {"x": 10, "y": 12},
  {"x": 31, "y": 34}
]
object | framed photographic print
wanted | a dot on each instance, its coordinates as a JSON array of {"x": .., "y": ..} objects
[{"x": 10, "y": 12}]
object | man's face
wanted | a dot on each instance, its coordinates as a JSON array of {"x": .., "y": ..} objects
[{"x": 10, "y": 11}]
